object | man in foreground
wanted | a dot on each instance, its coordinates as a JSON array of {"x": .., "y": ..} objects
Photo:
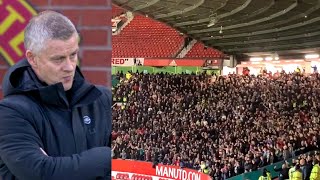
[{"x": 53, "y": 124}]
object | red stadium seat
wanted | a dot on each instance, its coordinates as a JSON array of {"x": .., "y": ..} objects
[
  {"x": 145, "y": 37},
  {"x": 198, "y": 50}
]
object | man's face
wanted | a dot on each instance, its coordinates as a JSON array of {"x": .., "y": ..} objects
[{"x": 56, "y": 62}]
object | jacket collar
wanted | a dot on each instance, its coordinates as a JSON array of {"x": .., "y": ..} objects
[{"x": 21, "y": 79}]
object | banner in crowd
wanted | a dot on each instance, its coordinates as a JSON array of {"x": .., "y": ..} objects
[
  {"x": 159, "y": 62},
  {"x": 174, "y": 62},
  {"x": 127, "y": 61},
  {"x": 14, "y": 17},
  {"x": 182, "y": 62},
  {"x": 134, "y": 176},
  {"x": 132, "y": 170}
]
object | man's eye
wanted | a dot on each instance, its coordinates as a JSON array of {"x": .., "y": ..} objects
[{"x": 58, "y": 60}]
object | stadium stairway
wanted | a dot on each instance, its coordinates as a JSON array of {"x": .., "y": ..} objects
[
  {"x": 199, "y": 50},
  {"x": 129, "y": 18},
  {"x": 186, "y": 49}
]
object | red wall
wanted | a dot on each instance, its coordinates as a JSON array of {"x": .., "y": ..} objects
[{"x": 93, "y": 20}]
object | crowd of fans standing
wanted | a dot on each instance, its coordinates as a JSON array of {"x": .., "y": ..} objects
[{"x": 231, "y": 124}]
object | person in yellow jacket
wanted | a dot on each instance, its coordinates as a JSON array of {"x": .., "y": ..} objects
[
  {"x": 265, "y": 175},
  {"x": 128, "y": 76},
  {"x": 206, "y": 170},
  {"x": 292, "y": 169},
  {"x": 297, "y": 173},
  {"x": 315, "y": 172},
  {"x": 202, "y": 166},
  {"x": 269, "y": 175}
]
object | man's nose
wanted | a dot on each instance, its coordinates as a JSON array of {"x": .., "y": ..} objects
[{"x": 69, "y": 65}]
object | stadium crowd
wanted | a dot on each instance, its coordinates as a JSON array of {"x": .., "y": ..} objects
[{"x": 231, "y": 124}]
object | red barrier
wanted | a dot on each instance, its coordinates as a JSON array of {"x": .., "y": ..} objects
[
  {"x": 157, "y": 62},
  {"x": 173, "y": 62},
  {"x": 134, "y": 170}
]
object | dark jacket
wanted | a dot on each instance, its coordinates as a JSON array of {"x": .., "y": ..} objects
[
  {"x": 308, "y": 169},
  {"x": 73, "y": 128},
  {"x": 283, "y": 173}
]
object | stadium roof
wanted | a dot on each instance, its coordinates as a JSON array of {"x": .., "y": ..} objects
[{"x": 240, "y": 26}]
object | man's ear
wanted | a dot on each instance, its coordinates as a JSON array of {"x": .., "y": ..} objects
[{"x": 31, "y": 59}]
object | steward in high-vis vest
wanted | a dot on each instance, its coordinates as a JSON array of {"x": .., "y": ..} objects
[
  {"x": 291, "y": 170},
  {"x": 206, "y": 170},
  {"x": 297, "y": 173},
  {"x": 315, "y": 173},
  {"x": 265, "y": 175}
]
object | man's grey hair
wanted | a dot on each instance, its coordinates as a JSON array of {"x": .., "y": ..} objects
[{"x": 47, "y": 25}]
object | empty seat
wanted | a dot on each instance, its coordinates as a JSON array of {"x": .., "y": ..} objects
[
  {"x": 199, "y": 50},
  {"x": 145, "y": 37}
]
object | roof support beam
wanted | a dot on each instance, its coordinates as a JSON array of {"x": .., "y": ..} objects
[
  {"x": 280, "y": 13},
  {"x": 269, "y": 40},
  {"x": 274, "y": 47},
  {"x": 199, "y": 3},
  {"x": 266, "y": 31},
  {"x": 238, "y": 9},
  {"x": 149, "y": 3}
]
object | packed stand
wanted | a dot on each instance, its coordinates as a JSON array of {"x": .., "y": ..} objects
[{"x": 224, "y": 126}]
